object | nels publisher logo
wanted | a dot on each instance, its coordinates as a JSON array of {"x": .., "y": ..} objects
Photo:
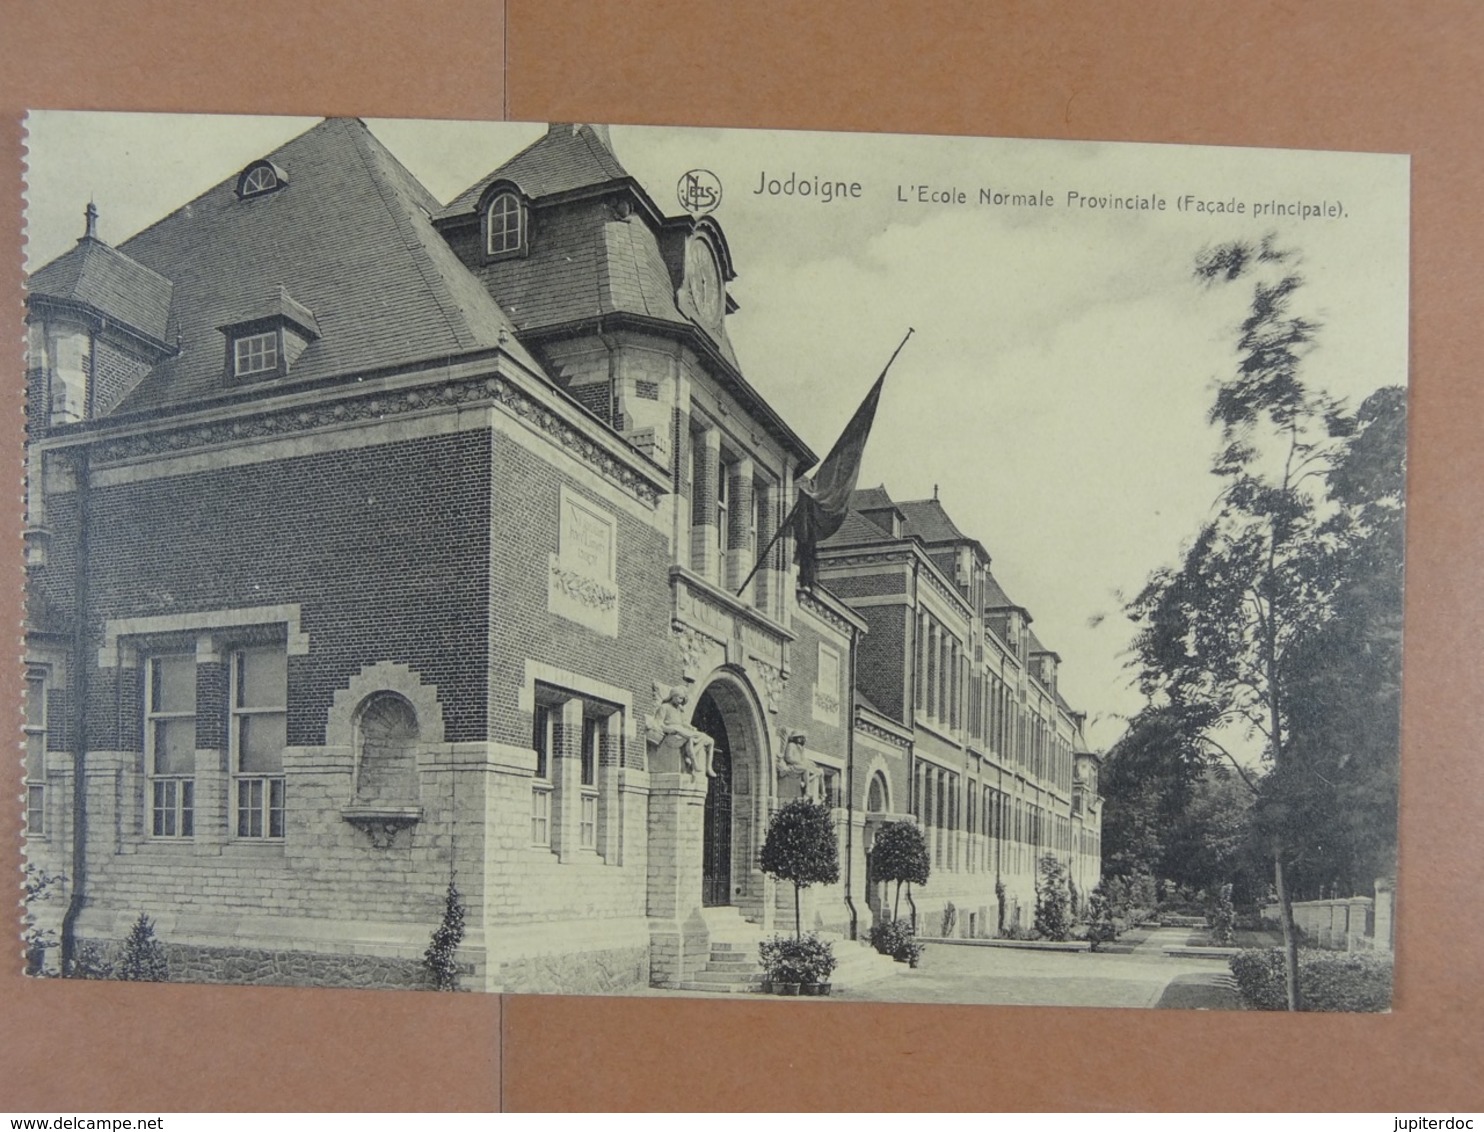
[{"x": 699, "y": 191}]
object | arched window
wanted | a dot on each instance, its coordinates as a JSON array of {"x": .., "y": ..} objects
[
  {"x": 258, "y": 178},
  {"x": 507, "y": 225},
  {"x": 876, "y": 795},
  {"x": 386, "y": 741}
]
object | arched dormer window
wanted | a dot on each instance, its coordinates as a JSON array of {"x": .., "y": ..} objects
[
  {"x": 260, "y": 177},
  {"x": 505, "y": 226}
]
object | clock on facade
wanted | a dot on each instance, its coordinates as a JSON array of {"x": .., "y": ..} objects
[{"x": 703, "y": 280}]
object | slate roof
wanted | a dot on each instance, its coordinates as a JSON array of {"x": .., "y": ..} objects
[
  {"x": 593, "y": 263},
  {"x": 871, "y": 499},
  {"x": 110, "y": 282},
  {"x": 1036, "y": 646},
  {"x": 856, "y": 529},
  {"x": 564, "y": 159},
  {"x": 928, "y": 521},
  {"x": 995, "y": 596},
  {"x": 349, "y": 238}
]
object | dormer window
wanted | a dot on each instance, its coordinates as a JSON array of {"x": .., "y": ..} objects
[
  {"x": 505, "y": 226},
  {"x": 254, "y": 354},
  {"x": 270, "y": 340},
  {"x": 259, "y": 178}
]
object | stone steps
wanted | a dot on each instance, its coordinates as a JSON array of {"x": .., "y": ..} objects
[{"x": 733, "y": 967}]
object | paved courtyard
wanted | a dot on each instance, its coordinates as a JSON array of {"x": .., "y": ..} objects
[{"x": 1014, "y": 977}]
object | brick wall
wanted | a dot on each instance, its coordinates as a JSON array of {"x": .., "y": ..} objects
[{"x": 385, "y": 548}]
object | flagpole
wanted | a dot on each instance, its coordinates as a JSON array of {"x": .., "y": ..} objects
[
  {"x": 799, "y": 501},
  {"x": 763, "y": 557}
]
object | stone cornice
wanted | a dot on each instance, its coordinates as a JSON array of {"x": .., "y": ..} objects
[
  {"x": 419, "y": 393},
  {"x": 831, "y": 610},
  {"x": 867, "y": 726}
]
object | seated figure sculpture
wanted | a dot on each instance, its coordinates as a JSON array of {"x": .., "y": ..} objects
[
  {"x": 671, "y": 723},
  {"x": 796, "y": 762}
]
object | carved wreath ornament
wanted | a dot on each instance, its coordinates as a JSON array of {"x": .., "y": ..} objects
[{"x": 584, "y": 590}]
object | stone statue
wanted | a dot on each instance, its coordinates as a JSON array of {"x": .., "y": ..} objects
[
  {"x": 670, "y": 723},
  {"x": 795, "y": 762}
]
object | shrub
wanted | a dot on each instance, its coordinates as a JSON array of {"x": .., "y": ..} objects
[
  {"x": 143, "y": 958},
  {"x": 1359, "y": 982},
  {"x": 1053, "y": 900},
  {"x": 801, "y": 847},
  {"x": 440, "y": 959},
  {"x": 1100, "y": 925},
  {"x": 801, "y": 959},
  {"x": 999, "y": 899},
  {"x": 1223, "y": 917},
  {"x": 897, "y": 939},
  {"x": 900, "y": 854},
  {"x": 91, "y": 961},
  {"x": 949, "y": 920},
  {"x": 39, "y": 886}
]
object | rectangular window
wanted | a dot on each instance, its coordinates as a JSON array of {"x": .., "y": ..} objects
[
  {"x": 170, "y": 743},
  {"x": 723, "y": 505},
  {"x": 592, "y": 740},
  {"x": 259, "y": 710},
  {"x": 587, "y": 818},
  {"x": 255, "y": 353},
  {"x": 829, "y": 784},
  {"x": 543, "y": 740},
  {"x": 36, "y": 687}
]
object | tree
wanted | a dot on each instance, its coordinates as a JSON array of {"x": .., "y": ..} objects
[
  {"x": 143, "y": 958},
  {"x": 440, "y": 960},
  {"x": 1227, "y": 640},
  {"x": 800, "y": 847},
  {"x": 900, "y": 854},
  {"x": 1341, "y": 784}
]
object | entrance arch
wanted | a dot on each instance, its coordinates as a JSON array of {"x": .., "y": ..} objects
[{"x": 736, "y": 796}]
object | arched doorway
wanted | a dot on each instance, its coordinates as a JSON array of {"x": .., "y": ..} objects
[
  {"x": 716, "y": 835},
  {"x": 736, "y": 803}
]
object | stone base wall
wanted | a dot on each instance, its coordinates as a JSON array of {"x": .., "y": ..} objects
[
  {"x": 190, "y": 963},
  {"x": 584, "y": 972}
]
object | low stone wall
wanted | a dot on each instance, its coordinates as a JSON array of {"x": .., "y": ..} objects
[{"x": 1343, "y": 924}]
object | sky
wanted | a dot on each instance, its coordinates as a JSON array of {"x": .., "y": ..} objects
[{"x": 1055, "y": 390}]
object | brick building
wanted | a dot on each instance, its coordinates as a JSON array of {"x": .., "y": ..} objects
[
  {"x": 999, "y": 774},
  {"x": 365, "y": 536}
]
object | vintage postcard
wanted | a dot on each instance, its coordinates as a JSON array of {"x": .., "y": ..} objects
[{"x": 586, "y": 560}]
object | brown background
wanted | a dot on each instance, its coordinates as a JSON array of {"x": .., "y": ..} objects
[{"x": 1385, "y": 76}]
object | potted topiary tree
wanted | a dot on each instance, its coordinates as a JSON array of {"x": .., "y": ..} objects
[
  {"x": 800, "y": 847},
  {"x": 900, "y": 854}
]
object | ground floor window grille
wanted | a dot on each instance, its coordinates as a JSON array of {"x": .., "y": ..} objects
[
  {"x": 260, "y": 807},
  {"x": 540, "y": 815},
  {"x": 173, "y": 813},
  {"x": 170, "y": 743},
  {"x": 588, "y": 822},
  {"x": 36, "y": 726},
  {"x": 259, "y": 709}
]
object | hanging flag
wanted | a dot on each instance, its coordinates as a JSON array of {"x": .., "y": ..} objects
[{"x": 824, "y": 501}]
